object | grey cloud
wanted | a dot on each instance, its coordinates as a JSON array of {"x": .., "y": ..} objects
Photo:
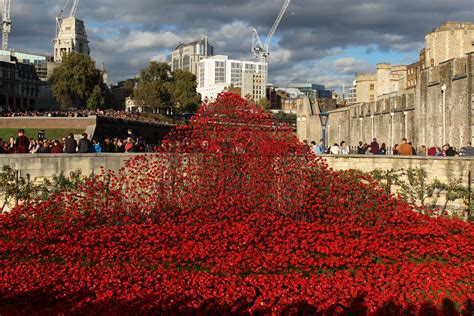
[
  {"x": 351, "y": 66},
  {"x": 310, "y": 30}
]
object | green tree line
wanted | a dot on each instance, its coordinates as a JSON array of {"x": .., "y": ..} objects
[{"x": 77, "y": 83}]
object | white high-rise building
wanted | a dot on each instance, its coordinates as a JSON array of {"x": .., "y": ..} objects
[
  {"x": 352, "y": 98},
  {"x": 71, "y": 37},
  {"x": 218, "y": 72}
]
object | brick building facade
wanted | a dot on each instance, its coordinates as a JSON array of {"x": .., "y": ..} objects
[{"x": 19, "y": 85}]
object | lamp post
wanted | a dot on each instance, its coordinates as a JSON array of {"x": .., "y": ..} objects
[
  {"x": 443, "y": 95},
  {"x": 324, "y": 116},
  {"x": 391, "y": 128},
  {"x": 405, "y": 116},
  {"x": 373, "y": 126}
]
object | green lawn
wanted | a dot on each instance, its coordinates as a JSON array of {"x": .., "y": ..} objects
[{"x": 56, "y": 133}]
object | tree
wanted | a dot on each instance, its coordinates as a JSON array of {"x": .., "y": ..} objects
[
  {"x": 96, "y": 99},
  {"x": 162, "y": 89},
  {"x": 75, "y": 80},
  {"x": 184, "y": 95},
  {"x": 153, "y": 88},
  {"x": 263, "y": 103},
  {"x": 128, "y": 87}
]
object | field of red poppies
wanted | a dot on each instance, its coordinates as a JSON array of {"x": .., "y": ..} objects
[{"x": 234, "y": 215}]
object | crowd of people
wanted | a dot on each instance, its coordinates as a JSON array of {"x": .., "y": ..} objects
[
  {"x": 70, "y": 145},
  {"x": 405, "y": 148},
  {"x": 84, "y": 113}
]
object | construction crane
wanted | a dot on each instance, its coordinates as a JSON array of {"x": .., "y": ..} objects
[
  {"x": 6, "y": 24},
  {"x": 74, "y": 8},
  {"x": 72, "y": 13},
  {"x": 262, "y": 51}
]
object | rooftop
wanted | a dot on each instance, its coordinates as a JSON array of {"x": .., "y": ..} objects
[{"x": 454, "y": 25}]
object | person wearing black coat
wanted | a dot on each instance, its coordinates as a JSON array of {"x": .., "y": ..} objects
[
  {"x": 71, "y": 144},
  {"x": 449, "y": 151},
  {"x": 108, "y": 146},
  {"x": 85, "y": 145}
]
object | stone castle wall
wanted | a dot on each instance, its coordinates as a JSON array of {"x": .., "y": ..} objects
[
  {"x": 416, "y": 113},
  {"x": 451, "y": 40}
]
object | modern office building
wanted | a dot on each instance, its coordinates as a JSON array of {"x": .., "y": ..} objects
[
  {"x": 312, "y": 91},
  {"x": 218, "y": 73},
  {"x": 187, "y": 56},
  {"x": 352, "y": 95}
]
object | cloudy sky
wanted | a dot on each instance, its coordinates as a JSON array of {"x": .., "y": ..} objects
[{"x": 318, "y": 41}]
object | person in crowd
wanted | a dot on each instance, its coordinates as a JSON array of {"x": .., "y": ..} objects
[
  {"x": 305, "y": 143},
  {"x": 56, "y": 148},
  {"x": 369, "y": 151},
  {"x": 119, "y": 146},
  {"x": 147, "y": 146},
  {"x": 360, "y": 148},
  {"x": 313, "y": 146},
  {"x": 130, "y": 145},
  {"x": 11, "y": 145},
  {"x": 132, "y": 135},
  {"x": 467, "y": 151},
  {"x": 34, "y": 147},
  {"x": 141, "y": 146},
  {"x": 343, "y": 149},
  {"x": 96, "y": 147},
  {"x": 432, "y": 151},
  {"x": 383, "y": 149},
  {"x": 320, "y": 150},
  {"x": 375, "y": 146},
  {"x": 366, "y": 147},
  {"x": 405, "y": 149},
  {"x": 413, "y": 150},
  {"x": 44, "y": 147},
  {"x": 396, "y": 149},
  {"x": 449, "y": 151},
  {"x": 422, "y": 151},
  {"x": 6, "y": 148},
  {"x": 85, "y": 144},
  {"x": 334, "y": 149},
  {"x": 70, "y": 144},
  {"x": 108, "y": 146},
  {"x": 2, "y": 151},
  {"x": 22, "y": 142},
  {"x": 439, "y": 152},
  {"x": 63, "y": 143}
]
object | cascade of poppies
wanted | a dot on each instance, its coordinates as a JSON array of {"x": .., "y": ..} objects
[{"x": 233, "y": 215}]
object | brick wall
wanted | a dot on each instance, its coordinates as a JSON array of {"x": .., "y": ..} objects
[{"x": 47, "y": 122}]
